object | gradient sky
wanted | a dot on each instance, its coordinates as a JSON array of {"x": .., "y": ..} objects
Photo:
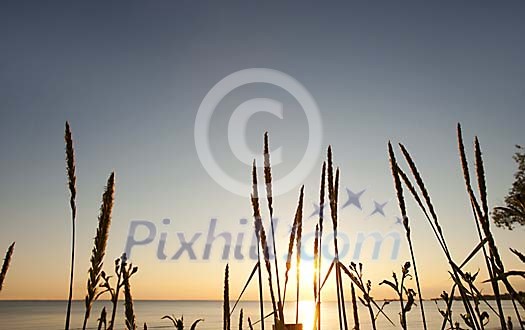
[{"x": 130, "y": 76}]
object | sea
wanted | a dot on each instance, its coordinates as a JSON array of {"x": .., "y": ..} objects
[{"x": 26, "y": 315}]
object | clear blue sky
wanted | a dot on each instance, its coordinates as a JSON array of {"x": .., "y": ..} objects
[{"x": 130, "y": 76}]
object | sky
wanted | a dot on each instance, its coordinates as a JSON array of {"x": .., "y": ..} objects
[{"x": 130, "y": 77}]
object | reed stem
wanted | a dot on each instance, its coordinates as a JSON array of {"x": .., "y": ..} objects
[
  {"x": 259, "y": 228},
  {"x": 298, "y": 256},
  {"x": 479, "y": 220},
  {"x": 269, "y": 198},
  {"x": 226, "y": 301},
  {"x": 99, "y": 248},
  {"x": 70, "y": 168},
  {"x": 354, "y": 307},
  {"x": 5, "y": 264},
  {"x": 320, "y": 223},
  {"x": 402, "y": 207}
]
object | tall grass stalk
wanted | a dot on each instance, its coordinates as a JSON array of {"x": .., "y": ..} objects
[
  {"x": 129, "y": 313},
  {"x": 357, "y": 279},
  {"x": 269, "y": 198},
  {"x": 437, "y": 232},
  {"x": 338, "y": 265},
  {"x": 333, "y": 212},
  {"x": 354, "y": 308},
  {"x": 260, "y": 282},
  {"x": 259, "y": 228},
  {"x": 333, "y": 191},
  {"x": 481, "y": 221},
  {"x": 298, "y": 255},
  {"x": 226, "y": 301},
  {"x": 320, "y": 223},
  {"x": 240, "y": 319},
  {"x": 255, "y": 267},
  {"x": 5, "y": 264},
  {"x": 99, "y": 248},
  {"x": 456, "y": 270},
  {"x": 291, "y": 241},
  {"x": 114, "y": 299},
  {"x": 257, "y": 218},
  {"x": 72, "y": 179},
  {"x": 102, "y": 320},
  {"x": 434, "y": 224},
  {"x": 114, "y": 292},
  {"x": 447, "y": 315},
  {"x": 402, "y": 207},
  {"x": 316, "y": 275},
  {"x": 497, "y": 263}
]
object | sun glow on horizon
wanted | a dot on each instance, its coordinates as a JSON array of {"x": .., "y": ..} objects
[{"x": 307, "y": 314}]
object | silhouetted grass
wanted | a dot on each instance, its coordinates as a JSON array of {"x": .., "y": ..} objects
[
  {"x": 127, "y": 272},
  {"x": 261, "y": 233},
  {"x": 72, "y": 179},
  {"x": 5, "y": 264},
  {"x": 406, "y": 225},
  {"x": 99, "y": 248},
  {"x": 226, "y": 300},
  {"x": 464, "y": 282}
]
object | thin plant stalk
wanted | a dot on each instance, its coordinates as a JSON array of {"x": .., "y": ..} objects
[
  {"x": 341, "y": 294},
  {"x": 113, "y": 291},
  {"x": 316, "y": 274},
  {"x": 333, "y": 189},
  {"x": 102, "y": 319},
  {"x": 269, "y": 271},
  {"x": 259, "y": 228},
  {"x": 99, "y": 248},
  {"x": 354, "y": 307},
  {"x": 240, "y": 319},
  {"x": 5, "y": 264},
  {"x": 269, "y": 198},
  {"x": 293, "y": 233},
  {"x": 497, "y": 263},
  {"x": 338, "y": 266},
  {"x": 226, "y": 301},
  {"x": 70, "y": 168},
  {"x": 402, "y": 207},
  {"x": 257, "y": 265},
  {"x": 403, "y": 313},
  {"x": 298, "y": 256},
  {"x": 259, "y": 275},
  {"x": 333, "y": 213},
  {"x": 479, "y": 218},
  {"x": 367, "y": 300},
  {"x": 435, "y": 226},
  {"x": 114, "y": 298},
  {"x": 128, "y": 300},
  {"x": 448, "y": 312},
  {"x": 320, "y": 223},
  {"x": 477, "y": 215}
]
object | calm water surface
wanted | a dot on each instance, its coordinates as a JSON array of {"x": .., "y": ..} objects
[{"x": 18, "y": 315}]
